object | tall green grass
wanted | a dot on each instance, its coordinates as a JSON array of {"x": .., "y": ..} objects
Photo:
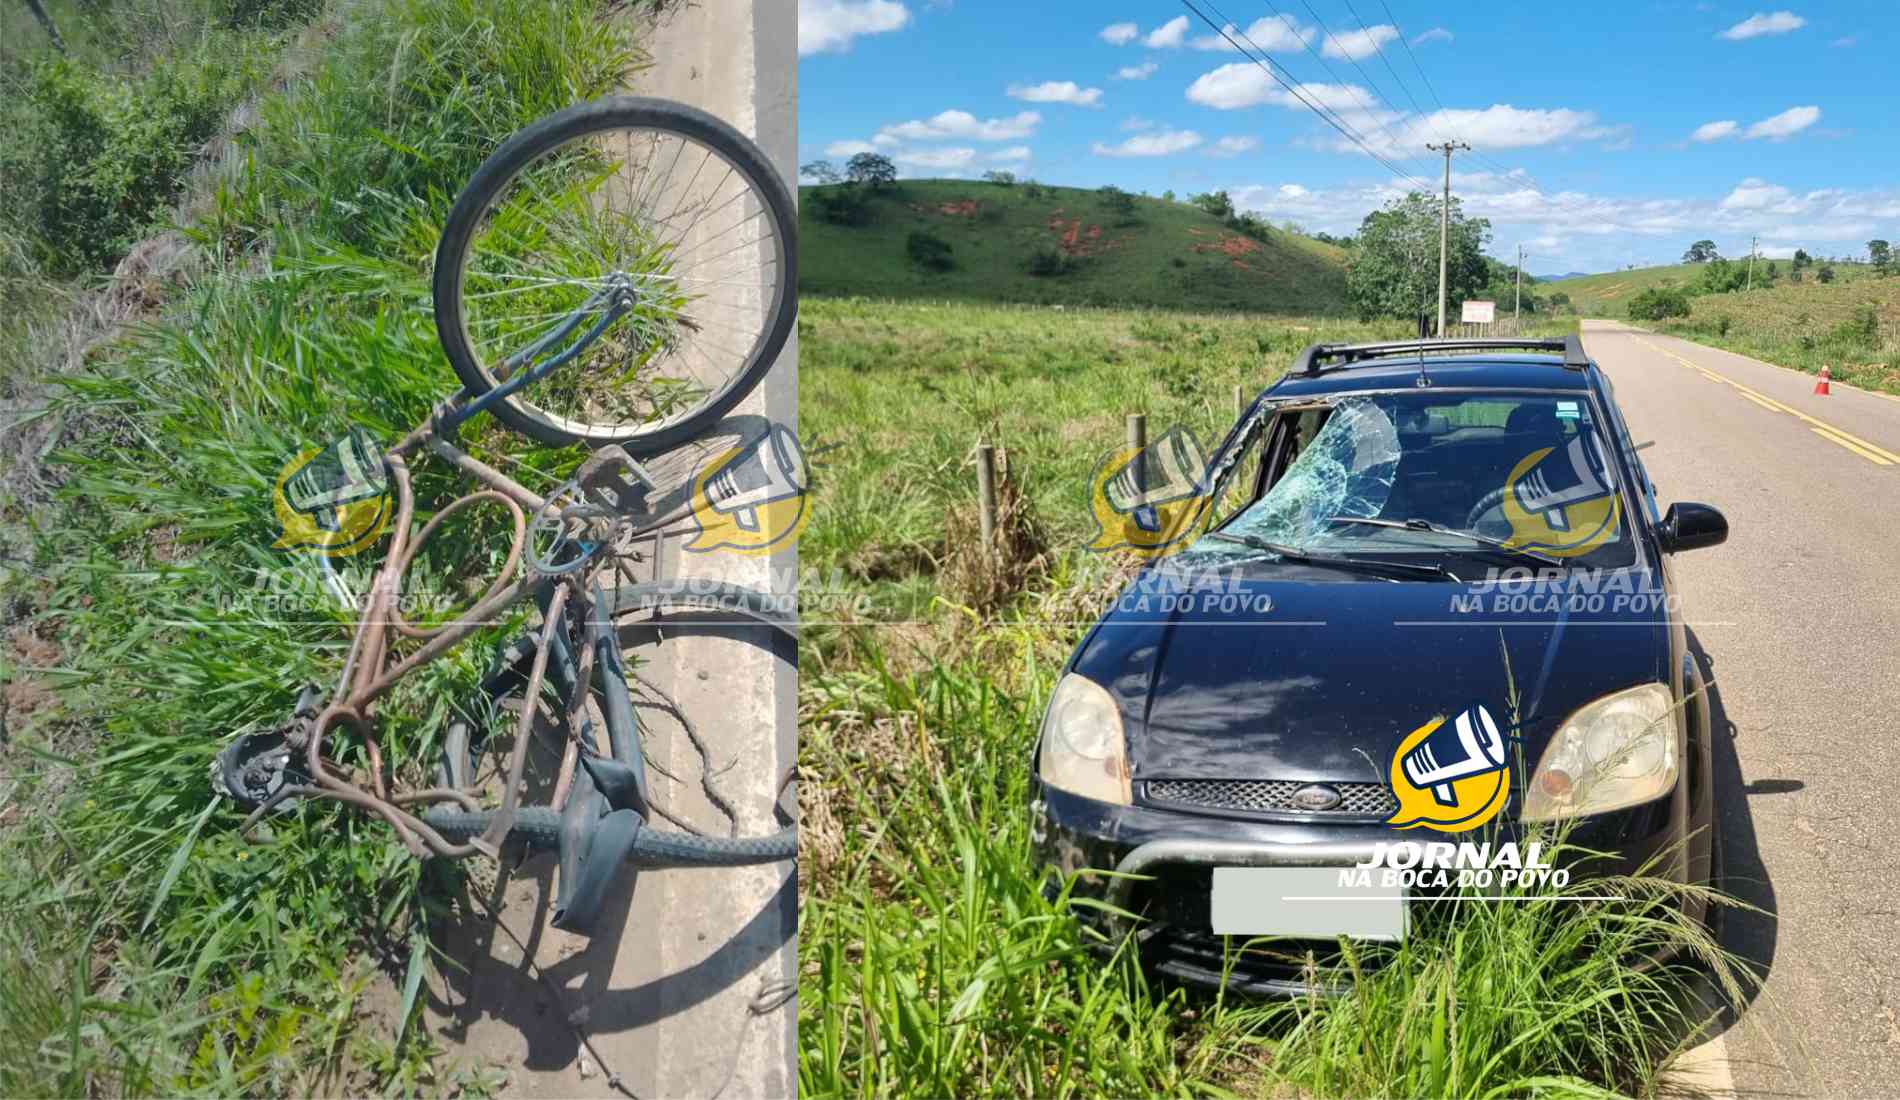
[{"x": 173, "y": 958}]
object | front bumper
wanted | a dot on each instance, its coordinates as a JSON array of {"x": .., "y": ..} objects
[{"x": 1164, "y": 860}]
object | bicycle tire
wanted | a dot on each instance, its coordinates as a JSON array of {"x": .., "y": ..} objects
[
  {"x": 500, "y": 169},
  {"x": 539, "y": 827}
]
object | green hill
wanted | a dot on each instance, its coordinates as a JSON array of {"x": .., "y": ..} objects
[
  {"x": 1608, "y": 295},
  {"x": 1152, "y": 252}
]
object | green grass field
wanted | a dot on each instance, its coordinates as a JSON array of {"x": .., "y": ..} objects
[
  {"x": 931, "y": 962},
  {"x": 1162, "y": 254},
  {"x": 1608, "y": 295}
]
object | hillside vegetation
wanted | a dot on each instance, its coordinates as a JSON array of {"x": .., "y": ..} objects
[
  {"x": 1609, "y": 294},
  {"x": 1055, "y": 245},
  {"x": 1852, "y": 325}
]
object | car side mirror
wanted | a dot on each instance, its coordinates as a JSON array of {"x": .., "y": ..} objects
[{"x": 1691, "y": 526}]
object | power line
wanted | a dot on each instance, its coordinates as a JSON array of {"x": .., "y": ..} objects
[
  {"x": 1266, "y": 65},
  {"x": 1292, "y": 28}
]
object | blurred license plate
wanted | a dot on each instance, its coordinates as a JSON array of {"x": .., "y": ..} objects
[{"x": 1303, "y": 902}]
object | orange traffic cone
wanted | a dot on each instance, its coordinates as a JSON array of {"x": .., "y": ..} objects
[{"x": 1821, "y": 386}]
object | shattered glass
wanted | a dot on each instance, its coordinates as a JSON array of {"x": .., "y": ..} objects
[{"x": 1347, "y": 470}]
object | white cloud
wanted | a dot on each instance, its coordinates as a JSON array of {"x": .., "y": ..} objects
[
  {"x": 1267, "y": 34},
  {"x": 1353, "y": 45},
  {"x": 1754, "y": 194},
  {"x": 1233, "y": 146},
  {"x": 961, "y": 124},
  {"x": 1244, "y": 84},
  {"x": 1136, "y": 72},
  {"x": 1057, "y": 91},
  {"x": 1436, "y": 34},
  {"x": 1786, "y": 124},
  {"x": 1161, "y": 144},
  {"x": 1500, "y": 126},
  {"x": 849, "y": 148},
  {"x": 936, "y": 158},
  {"x": 1761, "y": 23},
  {"x": 828, "y": 26},
  {"x": 1013, "y": 154},
  {"x": 1136, "y": 122},
  {"x": 1119, "y": 34},
  {"x": 1715, "y": 131},
  {"x": 1845, "y": 41},
  {"x": 1168, "y": 35}
]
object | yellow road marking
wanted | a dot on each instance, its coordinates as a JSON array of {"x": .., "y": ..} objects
[
  {"x": 1862, "y": 452},
  {"x": 1873, "y": 452}
]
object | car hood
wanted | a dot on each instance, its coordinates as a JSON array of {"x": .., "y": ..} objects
[{"x": 1323, "y": 683}]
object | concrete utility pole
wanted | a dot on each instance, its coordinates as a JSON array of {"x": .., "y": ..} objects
[
  {"x": 1517, "y": 303},
  {"x": 1752, "y": 242},
  {"x": 1444, "y": 226}
]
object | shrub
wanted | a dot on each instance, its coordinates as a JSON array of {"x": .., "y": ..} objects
[
  {"x": 1861, "y": 332},
  {"x": 844, "y": 205},
  {"x": 96, "y": 159},
  {"x": 1658, "y": 303},
  {"x": 1049, "y": 261},
  {"x": 1722, "y": 324},
  {"x": 929, "y": 251},
  {"x": 1000, "y": 178},
  {"x": 1826, "y": 273}
]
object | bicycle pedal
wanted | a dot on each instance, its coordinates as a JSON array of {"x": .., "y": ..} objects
[{"x": 611, "y": 479}]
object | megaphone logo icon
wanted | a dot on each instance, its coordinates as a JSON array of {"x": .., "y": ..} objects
[
  {"x": 1558, "y": 500},
  {"x": 333, "y": 499},
  {"x": 1452, "y": 774},
  {"x": 1150, "y": 500},
  {"x": 752, "y": 497}
]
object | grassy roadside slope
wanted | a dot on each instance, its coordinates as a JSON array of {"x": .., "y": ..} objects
[
  {"x": 153, "y": 953},
  {"x": 1852, "y": 326},
  {"x": 1161, "y": 254},
  {"x": 1608, "y": 295}
]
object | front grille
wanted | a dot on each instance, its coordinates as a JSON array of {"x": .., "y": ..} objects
[{"x": 1266, "y": 796}]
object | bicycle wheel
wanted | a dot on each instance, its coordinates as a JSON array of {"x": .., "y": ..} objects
[{"x": 635, "y": 257}]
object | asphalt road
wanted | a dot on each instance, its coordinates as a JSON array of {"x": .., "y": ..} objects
[
  {"x": 672, "y": 995},
  {"x": 1797, "y": 615}
]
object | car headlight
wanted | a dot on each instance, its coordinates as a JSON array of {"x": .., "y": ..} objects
[
  {"x": 1083, "y": 749},
  {"x": 1617, "y": 751}
]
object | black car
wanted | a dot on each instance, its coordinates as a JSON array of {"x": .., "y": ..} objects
[{"x": 1397, "y": 534}]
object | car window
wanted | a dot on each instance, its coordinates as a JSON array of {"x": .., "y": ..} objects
[{"x": 1529, "y": 468}]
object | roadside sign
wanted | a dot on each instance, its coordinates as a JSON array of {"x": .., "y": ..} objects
[{"x": 1479, "y": 313}]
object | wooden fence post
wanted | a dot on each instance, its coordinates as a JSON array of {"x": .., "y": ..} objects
[{"x": 986, "y": 493}]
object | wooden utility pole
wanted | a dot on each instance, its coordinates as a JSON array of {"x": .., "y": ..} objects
[
  {"x": 1517, "y": 303},
  {"x": 46, "y": 21},
  {"x": 1444, "y": 226}
]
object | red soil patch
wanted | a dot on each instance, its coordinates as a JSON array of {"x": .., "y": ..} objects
[
  {"x": 965, "y": 209},
  {"x": 1232, "y": 245}
]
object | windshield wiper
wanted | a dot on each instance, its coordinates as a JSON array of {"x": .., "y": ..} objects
[
  {"x": 1440, "y": 529},
  {"x": 1302, "y": 557}
]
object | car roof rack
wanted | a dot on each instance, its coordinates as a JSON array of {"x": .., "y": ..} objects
[{"x": 1318, "y": 356}]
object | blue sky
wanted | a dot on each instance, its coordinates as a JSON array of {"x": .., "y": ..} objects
[{"x": 1606, "y": 134}]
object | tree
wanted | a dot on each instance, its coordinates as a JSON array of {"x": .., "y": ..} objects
[
  {"x": 819, "y": 171},
  {"x": 1880, "y": 254},
  {"x": 46, "y": 23},
  {"x": 1657, "y": 303},
  {"x": 1826, "y": 273},
  {"x": 1116, "y": 199},
  {"x": 1217, "y": 203},
  {"x": 929, "y": 251},
  {"x": 1167, "y": 196},
  {"x": 1000, "y": 178},
  {"x": 1802, "y": 259},
  {"x": 1700, "y": 252},
  {"x": 871, "y": 168},
  {"x": 1394, "y": 268}
]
